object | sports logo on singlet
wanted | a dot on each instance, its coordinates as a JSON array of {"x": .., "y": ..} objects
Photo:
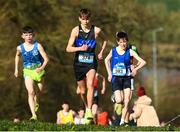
[
  {"x": 119, "y": 69},
  {"x": 35, "y": 52},
  {"x": 86, "y": 57}
]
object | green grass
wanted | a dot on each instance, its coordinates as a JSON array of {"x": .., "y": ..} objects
[{"x": 42, "y": 126}]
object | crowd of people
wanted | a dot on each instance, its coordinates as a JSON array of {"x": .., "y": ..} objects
[
  {"x": 120, "y": 66},
  {"x": 68, "y": 116},
  {"x": 141, "y": 114}
]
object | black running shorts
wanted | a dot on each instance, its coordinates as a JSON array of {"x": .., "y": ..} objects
[
  {"x": 120, "y": 83},
  {"x": 81, "y": 69}
]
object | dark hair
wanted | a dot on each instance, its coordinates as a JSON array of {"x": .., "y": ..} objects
[
  {"x": 81, "y": 108},
  {"x": 27, "y": 29},
  {"x": 84, "y": 13},
  {"x": 65, "y": 102},
  {"x": 121, "y": 35}
]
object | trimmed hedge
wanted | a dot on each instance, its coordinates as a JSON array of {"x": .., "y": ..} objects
[{"x": 43, "y": 126}]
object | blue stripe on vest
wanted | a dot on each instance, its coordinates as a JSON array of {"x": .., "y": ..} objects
[{"x": 91, "y": 43}]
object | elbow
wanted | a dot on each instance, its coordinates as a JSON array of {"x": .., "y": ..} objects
[
  {"x": 47, "y": 60},
  {"x": 105, "y": 60},
  {"x": 68, "y": 49},
  {"x": 145, "y": 62}
]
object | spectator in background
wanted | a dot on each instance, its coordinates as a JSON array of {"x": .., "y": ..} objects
[
  {"x": 102, "y": 117},
  {"x": 144, "y": 112},
  {"x": 79, "y": 118},
  {"x": 65, "y": 116}
]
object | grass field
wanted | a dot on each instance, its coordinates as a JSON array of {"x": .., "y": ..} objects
[{"x": 42, "y": 126}]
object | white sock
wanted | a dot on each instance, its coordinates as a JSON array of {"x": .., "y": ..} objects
[{"x": 122, "y": 122}]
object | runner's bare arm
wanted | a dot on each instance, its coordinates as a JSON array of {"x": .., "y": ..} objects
[
  {"x": 140, "y": 62},
  {"x": 103, "y": 83},
  {"x": 58, "y": 121},
  {"x": 44, "y": 56},
  {"x": 108, "y": 65},
  {"x": 100, "y": 33},
  {"x": 17, "y": 58}
]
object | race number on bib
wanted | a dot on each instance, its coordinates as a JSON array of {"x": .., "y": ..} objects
[
  {"x": 119, "y": 70},
  {"x": 86, "y": 57}
]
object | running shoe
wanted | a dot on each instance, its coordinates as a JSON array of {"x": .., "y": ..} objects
[
  {"x": 33, "y": 118},
  {"x": 118, "y": 108},
  {"x": 88, "y": 116}
]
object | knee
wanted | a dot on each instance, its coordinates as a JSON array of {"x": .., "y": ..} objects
[
  {"x": 82, "y": 90},
  {"x": 31, "y": 92},
  {"x": 119, "y": 100}
]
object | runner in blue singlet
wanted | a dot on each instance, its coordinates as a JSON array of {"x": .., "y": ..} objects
[
  {"x": 119, "y": 71},
  {"x": 34, "y": 61}
]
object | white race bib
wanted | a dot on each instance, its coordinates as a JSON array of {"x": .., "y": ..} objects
[
  {"x": 86, "y": 57},
  {"x": 119, "y": 69}
]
